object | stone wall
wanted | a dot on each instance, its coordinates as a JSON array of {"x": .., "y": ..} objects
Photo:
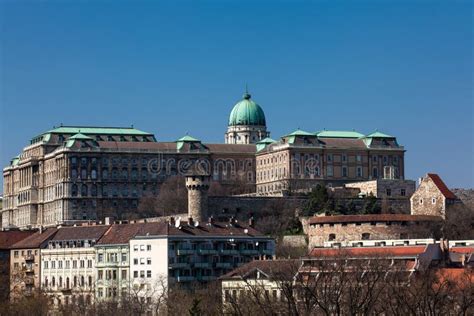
[
  {"x": 318, "y": 234},
  {"x": 295, "y": 241},
  {"x": 379, "y": 188}
]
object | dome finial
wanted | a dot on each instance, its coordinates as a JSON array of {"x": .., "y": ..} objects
[{"x": 246, "y": 95}]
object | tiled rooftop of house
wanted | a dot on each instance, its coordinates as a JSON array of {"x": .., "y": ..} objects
[
  {"x": 272, "y": 268},
  {"x": 442, "y": 186},
  {"x": 81, "y": 232},
  {"x": 11, "y": 237},
  {"x": 35, "y": 240}
]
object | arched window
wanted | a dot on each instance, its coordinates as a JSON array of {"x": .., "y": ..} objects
[
  {"x": 74, "y": 190},
  {"x": 84, "y": 190},
  {"x": 124, "y": 174},
  {"x": 67, "y": 283},
  {"x": 375, "y": 173},
  {"x": 82, "y": 280},
  {"x": 74, "y": 173},
  {"x": 365, "y": 236},
  {"x": 93, "y": 174},
  {"x": 90, "y": 280},
  {"x": 332, "y": 237},
  {"x": 83, "y": 174},
  {"x": 46, "y": 282},
  {"x": 115, "y": 173},
  {"x": 60, "y": 282},
  {"x": 75, "y": 281},
  {"x": 53, "y": 281},
  {"x": 105, "y": 174},
  {"x": 94, "y": 190}
]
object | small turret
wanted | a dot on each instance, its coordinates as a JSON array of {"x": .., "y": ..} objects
[{"x": 197, "y": 186}]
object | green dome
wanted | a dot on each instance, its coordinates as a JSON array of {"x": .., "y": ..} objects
[{"x": 247, "y": 112}]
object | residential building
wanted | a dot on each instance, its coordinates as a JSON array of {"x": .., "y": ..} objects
[
  {"x": 180, "y": 253},
  {"x": 270, "y": 277},
  {"x": 25, "y": 263},
  {"x": 68, "y": 273},
  {"x": 112, "y": 261},
  {"x": 7, "y": 239}
]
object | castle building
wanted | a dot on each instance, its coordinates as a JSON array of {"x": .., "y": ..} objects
[{"x": 72, "y": 173}]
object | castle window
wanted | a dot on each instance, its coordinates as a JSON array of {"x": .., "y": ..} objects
[
  {"x": 344, "y": 171},
  {"x": 74, "y": 173},
  {"x": 402, "y": 192},
  {"x": 389, "y": 192},
  {"x": 74, "y": 190},
  {"x": 374, "y": 158},
  {"x": 330, "y": 171},
  {"x": 359, "y": 171},
  {"x": 433, "y": 200},
  {"x": 375, "y": 173},
  {"x": 344, "y": 158},
  {"x": 83, "y": 174},
  {"x": 93, "y": 174},
  {"x": 84, "y": 190},
  {"x": 365, "y": 236},
  {"x": 421, "y": 201},
  {"x": 332, "y": 237},
  {"x": 329, "y": 157}
]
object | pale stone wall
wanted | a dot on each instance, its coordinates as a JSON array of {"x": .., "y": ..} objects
[
  {"x": 295, "y": 241},
  {"x": 381, "y": 188},
  {"x": 428, "y": 200},
  {"x": 318, "y": 234}
]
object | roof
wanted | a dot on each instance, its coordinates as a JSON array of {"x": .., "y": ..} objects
[
  {"x": 392, "y": 251},
  {"x": 247, "y": 112},
  {"x": 35, "y": 240},
  {"x": 11, "y": 237},
  {"x": 300, "y": 132},
  {"x": 442, "y": 186},
  {"x": 267, "y": 140},
  {"x": 282, "y": 268},
  {"x": 98, "y": 130},
  {"x": 81, "y": 232},
  {"x": 461, "y": 249},
  {"x": 372, "y": 218},
  {"x": 120, "y": 234},
  {"x": 80, "y": 136},
  {"x": 217, "y": 229},
  {"x": 339, "y": 134},
  {"x": 378, "y": 134},
  {"x": 188, "y": 138}
]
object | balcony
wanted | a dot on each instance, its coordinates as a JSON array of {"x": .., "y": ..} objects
[
  {"x": 207, "y": 252},
  {"x": 184, "y": 252},
  {"x": 202, "y": 265},
  {"x": 249, "y": 252},
  {"x": 179, "y": 265},
  {"x": 29, "y": 269},
  {"x": 30, "y": 257},
  {"x": 229, "y": 252},
  {"x": 185, "y": 278},
  {"x": 224, "y": 265},
  {"x": 29, "y": 281},
  {"x": 206, "y": 278}
]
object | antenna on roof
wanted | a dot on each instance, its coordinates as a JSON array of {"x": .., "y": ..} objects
[
  {"x": 196, "y": 224},
  {"x": 178, "y": 222},
  {"x": 132, "y": 125}
]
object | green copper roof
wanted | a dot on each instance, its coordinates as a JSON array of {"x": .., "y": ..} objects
[
  {"x": 299, "y": 132},
  {"x": 15, "y": 161},
  {"x": 267, "y": 140},
  {"x": 378, "y": 134},
  {"x": 339, "y": 134},
  {"x": 80, "y": 137},
  {"x": 98, "y": 130},
  {"x": 188, "y": 138},
  {"x": 264, "y": 142},
  {"x": 247, "y": 112}
]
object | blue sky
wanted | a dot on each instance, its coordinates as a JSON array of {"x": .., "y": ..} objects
[{"x": 403, "y": 67}]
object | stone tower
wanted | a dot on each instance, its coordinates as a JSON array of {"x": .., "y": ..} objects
[
  {"x": 247, "y": 123},
  {"x": 197, "y": 186}
]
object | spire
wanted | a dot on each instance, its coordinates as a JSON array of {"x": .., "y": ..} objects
[{"x": 246, "y": 95}]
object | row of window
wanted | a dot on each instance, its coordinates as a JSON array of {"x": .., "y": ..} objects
[
  {"x": 66, "y": 264},
  {"x": 110, "y": 274},
  {"x": 141, "y": 247},
  {"x": 142, "y": 274},
  {"x": 76, "y": 281}
]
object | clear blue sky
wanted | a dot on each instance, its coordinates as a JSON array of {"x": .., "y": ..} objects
[{"x": 403, "y": 67}]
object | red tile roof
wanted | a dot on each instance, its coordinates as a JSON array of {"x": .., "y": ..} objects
[
  {"x": 122, "y": 233},
  {"x": 35, "y": 240},
  {"x": 372, "y": 218},
  {"x": 81, "y": 232},
  {"x": 10, "y": 237},
  {"x": 217, "y": 229},
  {"x": 442, "y": 186},
  {"x": 464, "y": 250},
  {"x": 392, "y": 251}
]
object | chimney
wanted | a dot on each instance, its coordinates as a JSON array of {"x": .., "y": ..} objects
[
  {"x": 210, "y": 220},
  {"x": 172, "y": 221},
  {"x": 232, "y": 220},
  {"x": 251, "y": 222},
  {"x": 190, "y": 221},
  {"x": 108, "y": 220}
]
